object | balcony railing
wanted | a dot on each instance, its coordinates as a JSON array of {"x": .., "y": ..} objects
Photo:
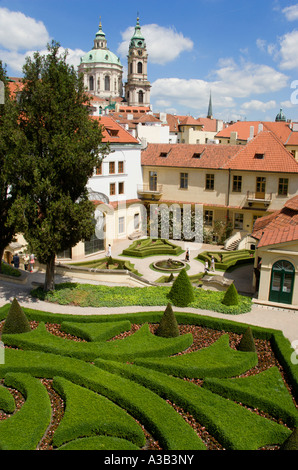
[
  {"x": 259, "y": 197},
  {"x": 149, "y": 192}
]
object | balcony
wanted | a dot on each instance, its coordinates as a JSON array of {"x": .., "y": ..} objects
[
  {"x": 153, "y": 193},
  {"x": 259, "y": 198}
]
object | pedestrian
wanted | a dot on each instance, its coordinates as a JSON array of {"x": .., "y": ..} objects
[
  {"x": 31, "y": 263},
  {"x": 16, "y": 261},
  {"x": 187, "y": 255},
  {"x": 206, "y": 267},
  {"x": 212, "y": 264},
  {"x": 26, "y": 262},
  {"x": 109, "y": 253}
]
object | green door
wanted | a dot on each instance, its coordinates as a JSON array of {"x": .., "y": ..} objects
[{"x": 282, "y": 282}]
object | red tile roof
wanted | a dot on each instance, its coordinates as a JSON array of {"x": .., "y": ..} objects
[
  {"x": 279, "y": 227},
  {"x": 113, "y": 132},
  {"x": 188, "y": 155},
  {"x": 276, "y": 157}
]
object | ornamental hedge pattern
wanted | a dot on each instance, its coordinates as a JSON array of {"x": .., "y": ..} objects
[{"x": 118, "y": 391}]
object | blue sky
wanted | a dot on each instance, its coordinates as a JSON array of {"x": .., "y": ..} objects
[{"x": 244, "y": 52}]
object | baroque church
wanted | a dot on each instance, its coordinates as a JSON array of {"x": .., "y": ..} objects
[{"x": 103, "y": 72}]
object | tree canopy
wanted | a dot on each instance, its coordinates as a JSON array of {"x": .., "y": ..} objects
[{"x": 62, "y": 148}]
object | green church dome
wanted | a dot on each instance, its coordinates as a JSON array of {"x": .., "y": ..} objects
[
  {"x": 103, "y": 56},
  {"x": 280, "y": 117}
]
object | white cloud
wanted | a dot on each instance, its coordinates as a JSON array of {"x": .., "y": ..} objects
[
  {"x": 163, "y": 44},
  {"x": 230, "y": 82},
  {"x": 288, "y": 51},
  {"x": 19, "y": 32},
  {"x": 257, "y": 105},
  {"x": 16, "y": 60},
  {"x": 291, "y": 13}
]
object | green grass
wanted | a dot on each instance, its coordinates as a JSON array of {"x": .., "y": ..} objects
[
  {"x": 86, "y": 295},
  {"x": 230, "y": 259}
]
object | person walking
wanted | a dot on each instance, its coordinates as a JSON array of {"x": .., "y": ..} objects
[
  {"x": 187, "y": 255},
  {"x": 31, "y": 263},
  {"x": 109, "y": 253},
  {"x": 16, "y": 261},
  {"x": 212, "y": 264},
  {"x": 206, "y": 267}
]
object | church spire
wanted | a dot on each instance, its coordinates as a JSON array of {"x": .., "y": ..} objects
[
  {"x": 100, "y": 41},
  {"x": 210, "y": 111}
]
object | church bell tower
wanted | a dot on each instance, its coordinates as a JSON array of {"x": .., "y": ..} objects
[{"x": 137, "y": 88}]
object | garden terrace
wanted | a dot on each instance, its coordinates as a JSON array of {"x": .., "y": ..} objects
[
  {"x": 152, "y": 247},
  {"x": 225, "y": 260},
  {"x": 90, "y": 382}
]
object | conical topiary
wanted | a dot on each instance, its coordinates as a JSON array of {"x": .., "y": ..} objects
[
  {"x": 231, "y": 296},
  {"x": 247, "y": 342},
  {"x": 292, "y": 442},
  {"x": 168, "y": 326},
  {"x": 16, "y": 320},
  {"x": 182, "y": 291}
]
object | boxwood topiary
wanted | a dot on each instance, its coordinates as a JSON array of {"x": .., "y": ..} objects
[
  {"x": 247, "y": 342},
  {"x": 168, "y": 326},
  {"x": 292, "y": 442},
  {"x": 182, "y": 291},
  {"x": 231, "y": 296},
  {"x": 16, "y": 320}
]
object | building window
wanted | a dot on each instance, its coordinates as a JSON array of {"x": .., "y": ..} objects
[
  {"x": 107, "y": 83},
  {"x": 283, "y": 186},
  {"x": 136, "y": 221},
  {"x": 120, "y": 167},
  {"x": 94, "y": 245},
  {"x": 238, "y": 221},
  {"x": 121, "y": 188},
  {"x": 91, "y": 83},
  {"x": 112, "y": 189},
  {"x": 141, "y": 97},
  {"x": 152, "y": 181},
  {"x": 237, "y": 184},
  {"x": 112, "y": 168},
  {"x": 210, "y": 182},
  {"x": 98, "y": 169},
  {"x": 183, "y": 180},
  {"x": 140, "y": 67},
  {"x": 208, "y": 218},
  {"x": 260, "y": 187},
  {"x": 121, "y": 224}
]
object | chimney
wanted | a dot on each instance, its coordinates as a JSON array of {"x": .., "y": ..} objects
[
  {"x": 233, "y": 138},
  {"x": 261, "y": 128},
  {"x": 251, "y": 133}
]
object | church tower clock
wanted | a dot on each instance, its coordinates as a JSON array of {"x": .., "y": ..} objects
[{"x": 137, "y": 88}]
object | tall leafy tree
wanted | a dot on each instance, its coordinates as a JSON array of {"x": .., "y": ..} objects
[
  {"x": 63, "y": 145},
  {"x": 10, "y": 143}
]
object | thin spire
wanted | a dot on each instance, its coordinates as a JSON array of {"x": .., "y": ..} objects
[{"x": 210, "y": 110}]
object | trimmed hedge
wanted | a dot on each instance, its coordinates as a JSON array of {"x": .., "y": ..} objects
[
  {"x": 152, "y": 247},
  {"x": 265, "y": 391},
  {"x": 25, "y": 429},
  {"x": 88, "y": 413},
  {"x": 230, "y": 258},
  {"x": 141, "y": 344},
  {"x": 7, "y": 403},
  {"x": 95, "y": 331},
  {"x": 217, "y": 360},
  {"x": 99, "y": 443},
  {"x": 158, "y": 417},
  {"x": 235, "y": 427}
]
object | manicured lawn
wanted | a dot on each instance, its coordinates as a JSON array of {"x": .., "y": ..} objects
[
  {"x": 78, "y": 386},
  {"x": 86, "y": 295}
]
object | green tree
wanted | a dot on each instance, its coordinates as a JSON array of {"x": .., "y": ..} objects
[
  {"x": 63, "y": 145},
  {"x": 10, "y": 142}
]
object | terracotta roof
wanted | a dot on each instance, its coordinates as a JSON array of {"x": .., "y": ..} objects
[
  {"x": 188, "y": 155},
  {"x": 242, "y": 128},
  {"x": 264, "y": 153},
  {"x": 113, "y": 132},
  {"x": 188, "y": 121},
  {"x": 210, "y": 125},
  {"x": 279, "y": 227}
]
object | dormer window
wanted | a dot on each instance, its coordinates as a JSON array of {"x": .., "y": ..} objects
[
  {"x": 259, "y": 156},
  {"x": 197, "y": 155},
  {"x": 163, "y": 155}
]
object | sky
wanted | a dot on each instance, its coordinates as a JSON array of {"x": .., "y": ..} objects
[{"x": 243, "y": 53}]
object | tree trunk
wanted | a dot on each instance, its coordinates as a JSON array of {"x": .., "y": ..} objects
[
  {"x": 49, "y": 283},
  {"x": 1, "y": 256}
]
